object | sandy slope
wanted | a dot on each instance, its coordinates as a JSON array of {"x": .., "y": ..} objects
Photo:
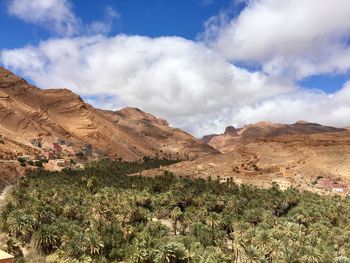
[
  {"x": 296, "y": 159},
  {"x": 27, "y": 112},
  {"x": 233, "y": 138}
]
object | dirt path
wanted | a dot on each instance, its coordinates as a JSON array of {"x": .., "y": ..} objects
[{"x": 3, "y": 194}]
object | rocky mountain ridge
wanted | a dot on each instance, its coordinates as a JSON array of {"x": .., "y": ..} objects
[
  {"x": 232, "y": 138},
  {"x": 27, "y": 112}
]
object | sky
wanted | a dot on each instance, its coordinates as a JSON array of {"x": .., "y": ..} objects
[{"x": 201, "y": 64}]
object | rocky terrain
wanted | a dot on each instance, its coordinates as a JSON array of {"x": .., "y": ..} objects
[
  {"x": 297, "y": 160},
  {"x": 27, "y": 112},
  {"x": 233, "y": 138},
  {"x": 298, "y": 154}
]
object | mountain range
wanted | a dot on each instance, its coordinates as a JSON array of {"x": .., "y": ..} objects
[
  {"x": 296, "y": 154},
  {"x": 27, "y": 112}
]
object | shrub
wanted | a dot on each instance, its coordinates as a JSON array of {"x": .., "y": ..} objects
[{"x": 21, "y": 159}]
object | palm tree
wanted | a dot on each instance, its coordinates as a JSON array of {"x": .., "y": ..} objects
[
  {"x": 262, "y": 241},
  {"x": 289, "y": 255},
  {"x": 213, "y": 255},
  {"x": 250, "y": 254},
  {"x": 21, "y": 225},
  {"x": 13, "y": 248},
  {"x": 75, "y": 243},
  {"x": 128, "y": 230},
  {"x": 172, "y": 252},
  {"x": 175, "y": 215},
  {"x": 46, "y": 239},
  {"x": 213, "y": 220},
  {"x": 93, "y": 243},
  {"x": 312, "y": 255},
  {"x": 91, "y": 183},
  {"x": 342, "y": 259},
  {"x": 141, "y": 253}
]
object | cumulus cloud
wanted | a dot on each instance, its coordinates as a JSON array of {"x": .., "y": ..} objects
[
  {"x": 195, "y": 84},
  {"x": 57, "y": 16},
  {"x": 179, "y": 79},
  {"x": 312, "y": 106},
  {"x": 293, "y": 38}
]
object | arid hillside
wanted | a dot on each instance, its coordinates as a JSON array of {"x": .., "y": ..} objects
[
  {"x": 233, "y": 138},
  {"x": 318, "y": 162},
  {"x": 27, "y": 113}
]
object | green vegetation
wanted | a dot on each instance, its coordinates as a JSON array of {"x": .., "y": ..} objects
[
  {"x": 24, "y": 161},
  {"x": 101, "y": 215}
]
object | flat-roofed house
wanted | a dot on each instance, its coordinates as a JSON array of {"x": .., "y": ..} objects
[
  {"x": 339, "y": 188},
  {"x": 335, "y": 187},
  {"x": 283, "y": 184},
  {"x": 56, "y": 148},
  {"x": 226, "y": 179},
  {"x": 5, "y": 257},
  {"x": 49, "y": 155},
  {"x": 87, "y": 149}
]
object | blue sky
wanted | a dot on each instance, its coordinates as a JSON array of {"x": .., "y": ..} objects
[
  {"x": 244, "y": 61},
  {"x": 152, "y": 18}
]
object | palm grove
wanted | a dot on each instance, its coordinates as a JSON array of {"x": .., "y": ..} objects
[{"x": 100, "y": 214}]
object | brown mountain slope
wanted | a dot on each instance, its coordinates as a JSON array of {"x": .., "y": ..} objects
[
  {"x": 27, "y": 112},
  {"x": 233, "y": 138},
  {"x": 297, "y": 160}
]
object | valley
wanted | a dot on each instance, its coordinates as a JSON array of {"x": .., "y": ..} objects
[
  {"x": 56, "y": 129},
  {"x": 88, "y": 185}
]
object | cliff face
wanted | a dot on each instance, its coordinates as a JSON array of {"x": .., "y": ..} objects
[{"x": 27, "y": 112}]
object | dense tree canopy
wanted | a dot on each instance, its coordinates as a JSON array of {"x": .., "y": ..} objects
[{"x": 100, "y": 214}]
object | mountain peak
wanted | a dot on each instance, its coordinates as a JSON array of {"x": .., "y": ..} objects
[
  {"x": 230, "y": 131},
  {"x": 301, "y": 122},
  {"x": 136, "y": 113}
]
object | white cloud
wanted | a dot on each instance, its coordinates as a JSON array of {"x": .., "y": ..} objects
[
  {"x": 293, "y": 38},
  {"x": 105, "y": 26},
  {"x": 193, "y": 84},
  {"x": 173, "y": 77},
  {"x": 312, "y": 106},
  {"x": 57, "y": 16}
]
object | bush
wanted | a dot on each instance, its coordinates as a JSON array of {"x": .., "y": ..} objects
[
  {"x": 21, "y": 159},
  {"x": 38, "y": 163}
]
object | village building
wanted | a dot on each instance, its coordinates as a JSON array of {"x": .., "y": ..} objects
[
  {"x": 338, "y": 189},
  {"x": 60, "y": 162},
  {"x": 287, "y": 171},
  {"x": 49, "y": 155},
  {"x": 5, "y": 257},
  {"x": 69, "y": 150},
  {"x": 283, "y": 184},
  {"x": 87, "y": 150},
  {"x": 101, "y": 153},
  {"x": 329, "y": 185},
  {"x": 226, "y": 179},
  {"x": 61, "y": 142},
  {"x": 56, "y": 148},
  {"x": 37, "y": 142}
]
